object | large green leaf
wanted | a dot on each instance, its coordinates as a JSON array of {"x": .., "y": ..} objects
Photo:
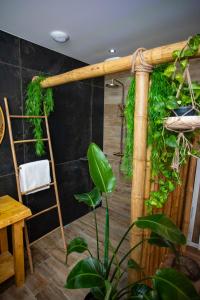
[
  {"x": 92, "y": 199},
  {"x": 78, "y": 244},
  {"x": 87, "y": 273},
  {"x": 163, "y": 226},
  {"x": 171, "y": 284},
  {"x": 158, "y": 240},
  {"x": 100, "y": 169}
]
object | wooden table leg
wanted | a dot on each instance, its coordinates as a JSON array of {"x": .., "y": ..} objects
[
  {"x": 18, "y": 252},
  {"x": 3, "y": 240}
]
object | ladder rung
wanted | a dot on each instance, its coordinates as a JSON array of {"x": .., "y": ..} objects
[
  {"x": 29, "y": 141},
  {"x": 42, "y": 212},
  {"x": 26, "y": 117},
  {"x": 49, "y": 162},
  {"x": 39, "y": 187}
]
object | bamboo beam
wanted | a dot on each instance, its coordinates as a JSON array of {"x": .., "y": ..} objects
[
  {"x": 139, "y": 163},
  {"x": 153, "y": 56}
]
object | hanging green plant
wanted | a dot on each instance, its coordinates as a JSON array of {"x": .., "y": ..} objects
[
  {"x": 165, "y": 83},
  {"x": 36, "y": 99}
]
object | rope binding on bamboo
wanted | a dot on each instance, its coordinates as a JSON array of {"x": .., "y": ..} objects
[{"x": 143, "y": 66}]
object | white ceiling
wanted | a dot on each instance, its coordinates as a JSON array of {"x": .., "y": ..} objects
[{"x": 95, "y": 26}]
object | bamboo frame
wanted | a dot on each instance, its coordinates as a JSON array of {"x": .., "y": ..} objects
[
  {"x": 154, "y": 56},
  {"x": 54, "y": 183},
  {"x": 30, "y": 141},
  {"x": 139, "y": 162}
]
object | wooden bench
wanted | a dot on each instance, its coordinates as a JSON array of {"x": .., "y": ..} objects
[{"x": 12, "y": 213}]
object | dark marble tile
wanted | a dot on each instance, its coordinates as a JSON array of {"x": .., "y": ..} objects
[
  {"x": 73, "y": 178},
  {"x": 45, "y": 60},
  {"x": 9, "y": 48},
  {"x": 77, "y": 63},
  {"x": 41, "y": 225},
  {"x": 98, "y": 116},
  {"x": 98, "y": 81},
  {"x": 40, "y": 200},
  {"x": 10, "y": 87},
  {"x": 8, "y": 186},
  {"x": 70, "y": 122}
]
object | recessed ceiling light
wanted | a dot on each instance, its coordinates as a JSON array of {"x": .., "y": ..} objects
[
  {"x": 59, "y": 36},
  {"x": 112, "y": 50}
]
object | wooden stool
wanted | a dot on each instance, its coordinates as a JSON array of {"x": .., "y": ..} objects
[{"x": 12, "y": 213}]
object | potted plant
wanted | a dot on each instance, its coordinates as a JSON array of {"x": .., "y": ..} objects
[{"x": 103, "y": 274}]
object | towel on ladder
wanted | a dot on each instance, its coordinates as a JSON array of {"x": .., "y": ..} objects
[{"x": 34, "y": 176}]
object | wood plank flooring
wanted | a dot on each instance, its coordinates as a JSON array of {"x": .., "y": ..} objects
[{"x": 51, "y": 271}]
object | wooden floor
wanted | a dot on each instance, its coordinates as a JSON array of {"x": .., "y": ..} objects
[{"x": 51, "y": 271}]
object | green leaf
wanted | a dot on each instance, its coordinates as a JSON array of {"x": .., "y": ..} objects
[
  {"x": 171, "y": 186},
  {"x": 100, "y": 169},
  {"x": 171, "y": 103},
  {"x": 78, "y": 245},
  {"x": 157, "y": 240},
  {"x": 92, "y": 199},
  {"x": 184, "y": 63},
  {"x": 188, "y": 52},
  {"x": 171, "y": 141},
  {"x": 195, "y": 86},
  {"x": 179, "y": 77},
  {"x": 108, "y": 290},
  {"x": 169, "y": 71},
  {"x": 87, "y": 273},
  {"x": 163, "y": 226},
  {"x": 176, "y": 54},
  {"x": 132, "y": 264},
  {"x": 171, "y": 284}
]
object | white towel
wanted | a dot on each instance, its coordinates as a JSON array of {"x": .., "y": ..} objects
[{"x": 34, "y": 175}]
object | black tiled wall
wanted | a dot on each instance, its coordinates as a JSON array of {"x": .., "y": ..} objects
[{"x": 76, "y": 121}]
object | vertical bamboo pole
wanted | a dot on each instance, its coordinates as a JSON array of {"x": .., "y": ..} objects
[
  {"x": 139, "y": 163},
  {"x": 146, "y": 197},
  {"x": 188, "y": 197}
]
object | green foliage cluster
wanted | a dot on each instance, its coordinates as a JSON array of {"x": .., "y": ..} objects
[
  {"x": 103, "y": 274},
  {"x": 165, "y": 80},
  {"x": 37, "y": 99}
]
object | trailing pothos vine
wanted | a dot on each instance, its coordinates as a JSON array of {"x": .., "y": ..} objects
[
  {"x": 36, "y": 99},
  {"x": 165, "y": 81}
]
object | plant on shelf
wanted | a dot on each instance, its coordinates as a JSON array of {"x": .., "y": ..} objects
[
  {"x": 168, "y": 92},
  {"x": 36, "y": 99},
  {"x": 102, "y": 274}
]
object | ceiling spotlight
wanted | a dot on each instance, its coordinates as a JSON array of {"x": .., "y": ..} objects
[
  {"x": 112, "y": 50},
  {"x": 59, "y": 36}
]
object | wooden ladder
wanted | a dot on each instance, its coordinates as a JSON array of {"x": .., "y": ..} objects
[{"x": 16, "y": 167}]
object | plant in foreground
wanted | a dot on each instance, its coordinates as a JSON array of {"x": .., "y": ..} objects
[{"x": 103, "y": 274}]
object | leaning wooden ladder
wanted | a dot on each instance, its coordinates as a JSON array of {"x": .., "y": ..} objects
[{"x": 16, "y": 167}]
